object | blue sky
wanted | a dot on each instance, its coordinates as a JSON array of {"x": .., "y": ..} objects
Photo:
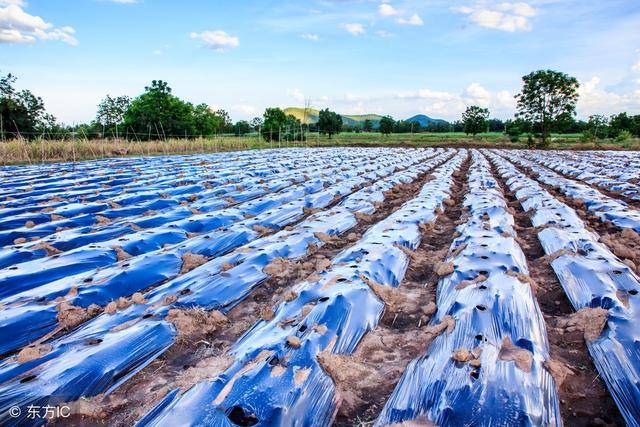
[{"x": 400, "y": 57}]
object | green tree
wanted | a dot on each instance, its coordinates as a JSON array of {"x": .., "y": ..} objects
[
  {"x": 226, "y": 125},
  {"x": 22, "y": 114},
  {"x": 496, "y": 125},
  {"x": 386, "y": 125},
  {"x": 293, "y": 130},
  {"x": 158, "y": 113},
  {"x": 515, "y": 128},
  {"x": 111, "y": 113},
  {"x": 256, "y": 123},
  {"x": 547, "y": 96},
  {"x": 635, "y": 125},
  {"x": 620, "y": 123},
  {"x": 241, "y": 127},
  {"x": 329, "y": 122},
  {"x": 598, "y": 126},
  {"x": 207, "y": 122},
  {"x": 367, "y": 126},
  {"x": 274, "y": 124},
  {"x": 475, "y": 120}
]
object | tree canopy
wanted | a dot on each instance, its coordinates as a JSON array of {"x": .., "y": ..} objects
[
  {"x": 547, "y": 98},
  {"x": 22, "y": 114},
  {"x": 386, "y": 125},
  {"x": 329, "y": 122},
  {"x": 475, "y": 120},
  {"x": 111, "y": 112}
]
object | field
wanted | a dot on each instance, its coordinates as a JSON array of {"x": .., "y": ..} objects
[
  {"x": 344, "y": 286},
  {"x": 43, "y": 150}
]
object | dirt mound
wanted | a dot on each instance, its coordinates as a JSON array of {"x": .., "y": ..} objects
[
  {"x": 192, "y": 261},
  {"x": 196, "y": 323},
  {"x": 512, "y": 353},
  {"x": 589, "y": 321}
]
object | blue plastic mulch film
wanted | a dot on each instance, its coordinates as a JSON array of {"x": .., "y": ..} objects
[
  {"x": 275, "y": 378},
  {"x": 488, "y": 369},
  {"x": 604, "y": 207},
  {"x": 615, "y": 171},
  {"x": 98, "y": 274},
  {"x": 592, "y": 277},
  {"x": 104, "y": 352}
]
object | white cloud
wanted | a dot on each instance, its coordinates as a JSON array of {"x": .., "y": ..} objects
[
  {"x": 17, "y": 26},
  {"x": 243, "y": 109},
  {"x": 505, "y": 16},
  {"x": 296, "y": 94},
  {"x": 506, "y": 100},
  {"x": 354, "y": 29},
  {"x": 14, "y": 2},
  {"x": 217, "y": 40},
  {"x": 594, "y": 100},
  {"x": 636, "y": 67},
  {"x": 413, "y": 20},
  {"x": 309, "y": 36},
  {"x": 384, "y": 34},
  {"x": 385, "y": 9},
  {"x": 475, "y": 94},
  {"x": 427, "y": 94}
]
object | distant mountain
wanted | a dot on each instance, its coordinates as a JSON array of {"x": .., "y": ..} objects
[
  {"x": 307, "y": 117},
  {"x": 311, "y": 115},
  {"x": 425, "y": 121}
]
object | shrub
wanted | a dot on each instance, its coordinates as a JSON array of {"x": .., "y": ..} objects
[{"x": 623, "y": 136}]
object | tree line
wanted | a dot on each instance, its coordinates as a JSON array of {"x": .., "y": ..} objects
[{"x": 545, "y": 105}]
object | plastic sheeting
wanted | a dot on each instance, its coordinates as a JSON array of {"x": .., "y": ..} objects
[
  {"x": 604, "y": 207},
  {"x": 613, "y": 171},
  {"x": 494, "y": 319},
  {"x": 28, "y": 275},
  {"x": 328, "y": 314},
  {"x": 33, "y": 313},
  {"x": 112, "y": 347},
  {"x": 591, "y": 276}
]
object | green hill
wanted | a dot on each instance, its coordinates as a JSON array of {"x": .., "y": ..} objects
[
  {"x": 299, "y": 113},
  {"x": 312, "y": 116}
]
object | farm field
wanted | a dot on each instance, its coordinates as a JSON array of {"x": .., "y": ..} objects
[
  {"x": 326, "y": 286},
  {"x": 23, "y": 152}
]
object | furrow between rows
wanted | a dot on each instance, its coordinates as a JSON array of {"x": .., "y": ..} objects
[
  {"x": 602, "y": 289},
  {"x": 583, "y": 395},
  {"x": 488, "y": 367}
]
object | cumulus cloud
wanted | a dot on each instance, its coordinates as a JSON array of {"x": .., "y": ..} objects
[
  {"x": 14, "y": 2},
  {"x": 504, "y": 16},
  {"x": 354, "y": 29},
  {"x": 475, "y": 94},
  {"x": 218, "y": 40},
  {"x": 596, "y": 100},
  {"x": 385, "y": 9},
  {"x": 296, "y": 94},
  {"x": 309, "y": 36},
  {"x": 412, "y": 20},
  {"x": 18, "y": 26},
  {"x": 636, "y": 67}
]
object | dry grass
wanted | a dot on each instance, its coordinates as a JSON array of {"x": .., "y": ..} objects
[
  {"x": 30, "y": 152},
  {"x": 42, "y": 151}
]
